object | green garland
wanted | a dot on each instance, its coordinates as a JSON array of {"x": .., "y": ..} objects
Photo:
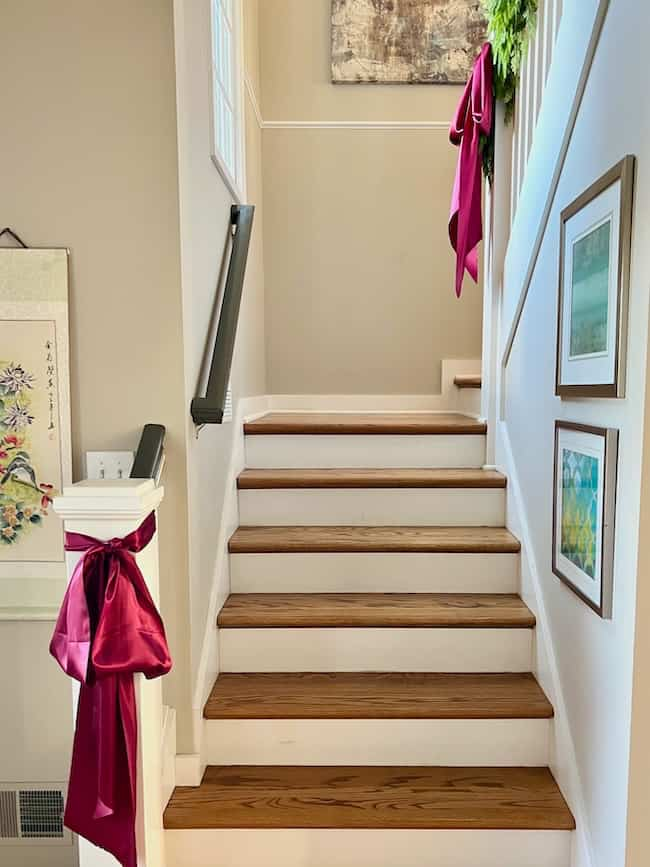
[{"x": 511, "y": 23}]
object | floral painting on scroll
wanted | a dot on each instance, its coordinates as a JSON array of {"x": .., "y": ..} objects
[
  {"x": 30, "y": 467},
  {"x": 35, "y": 435},
  {"x": 406, "y": 41}
]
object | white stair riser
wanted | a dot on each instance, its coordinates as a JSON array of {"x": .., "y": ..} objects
[
  {"x": 373, "y": 507},
  {"x": 469, "y": 401},
  {"x": 455, "y": 742},
  {"x": 375, "y": 649},
  {"x": 359, "y": 450},
  {"x": 374, "y": 573},
  {"x": 367, "y": 848}
]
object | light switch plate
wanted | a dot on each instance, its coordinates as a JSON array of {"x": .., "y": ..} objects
[{"x": 109, "y": 465}]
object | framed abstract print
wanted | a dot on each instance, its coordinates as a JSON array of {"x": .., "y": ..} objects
[
  {"x": 35, "y": 441},
  {"x": 584, "y": 507},
  {"x": 595, "y": 243}
]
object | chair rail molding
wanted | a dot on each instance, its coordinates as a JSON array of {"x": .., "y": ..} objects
[{"x": 439, "y": 125}]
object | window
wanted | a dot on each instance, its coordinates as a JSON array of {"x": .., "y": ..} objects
[{"x": 227, "y": 132}]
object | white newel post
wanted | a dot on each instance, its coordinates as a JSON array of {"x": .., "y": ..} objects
[{"x": 107, "y": 510}]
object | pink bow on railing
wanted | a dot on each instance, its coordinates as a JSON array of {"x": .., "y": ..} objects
[
  {"x": 473, "y": 116},
  {"x": 107, "y": 630}
]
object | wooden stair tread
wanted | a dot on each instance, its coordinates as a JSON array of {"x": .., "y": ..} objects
[
  {"x": 442, "y": 610},
  {"x": 371, "y": 797},
  {"x": 364, "y": 423},
  {"x": 394, "y": 695},
  {"x": 370, "y": 478},
  {"x": 473, "y": 540},
  {"x": 468, "y": 380}
]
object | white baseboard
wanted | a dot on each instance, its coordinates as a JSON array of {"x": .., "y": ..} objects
[{"x": 564, "y": 762}]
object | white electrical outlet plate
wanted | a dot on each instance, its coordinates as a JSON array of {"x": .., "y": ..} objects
[{"x": 108, "y": 465}]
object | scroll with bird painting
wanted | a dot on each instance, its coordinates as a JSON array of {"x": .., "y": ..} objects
[{"x": 35, "y": 453}]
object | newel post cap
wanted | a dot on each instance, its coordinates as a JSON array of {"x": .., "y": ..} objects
[{"x": 110, "y": 499}]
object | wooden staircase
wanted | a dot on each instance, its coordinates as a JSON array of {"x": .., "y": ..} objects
[{"x": 376, "y": 704}]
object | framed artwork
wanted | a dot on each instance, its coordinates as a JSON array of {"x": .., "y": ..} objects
[
  {"x": 408, "y": 42},
  {"x": 35, "y": 440},
  {"x": 595, "y": 244},
  {"x": 584, "y": 507}
]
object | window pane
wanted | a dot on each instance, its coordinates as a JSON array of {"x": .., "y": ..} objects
[
  {"x": 226, "y": 109},
  {"x": 225, "y": 72}
]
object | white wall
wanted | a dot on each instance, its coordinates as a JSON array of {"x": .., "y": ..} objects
[
  {"x": 594, "y": 657},
  {"x": 35, "y": 726}
]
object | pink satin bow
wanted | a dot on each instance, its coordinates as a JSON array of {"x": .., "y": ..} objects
[
  {"x": 108, "y": 629},
  {"x": 473, "y": 116}
]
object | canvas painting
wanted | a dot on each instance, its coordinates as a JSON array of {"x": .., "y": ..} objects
[
  {"x": 35, "y": 440},
  {"x": 406, "y": 41},
  {"x": 583, "y": 515},
  {"x": 595, "y": 243}
]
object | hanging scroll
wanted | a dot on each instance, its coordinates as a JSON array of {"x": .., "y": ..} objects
[{"x": 35, "y": 440}]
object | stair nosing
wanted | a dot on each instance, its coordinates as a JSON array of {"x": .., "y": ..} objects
[
  {"x": 377, "y": 479},
  {"x": 358, "y": 539},
  {"x": 366, "y": 424},
  {"x": 340, "y": 703},
  {"x": 331, "y": 797},
  {"x": 374, "y": 611}
]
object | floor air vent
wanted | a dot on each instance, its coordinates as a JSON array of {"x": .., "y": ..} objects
[{"x": 31, "y": 814}]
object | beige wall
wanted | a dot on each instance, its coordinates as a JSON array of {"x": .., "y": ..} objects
[
  {"x": 89, "y": 162},
  {"x": 359, "y": 273}
]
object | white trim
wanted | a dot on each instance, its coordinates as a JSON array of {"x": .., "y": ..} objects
[
  {"x": 252, "y": 96},
  {"x": 564, "y": 763},
  {"x": 440, "y": 125}
]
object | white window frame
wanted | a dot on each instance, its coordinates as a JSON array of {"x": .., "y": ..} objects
[{"x": 234, "y": 177}]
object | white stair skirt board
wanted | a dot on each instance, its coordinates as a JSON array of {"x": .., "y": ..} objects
[
  {"x": 331, "y": 451},
  {"x": 295, "y": 847},
  {"x": 478, "y": 507},
  {"x": 446, "y": 742},
  {"x": 374, "y": 573},
  {"x": 375, "y": 649}
]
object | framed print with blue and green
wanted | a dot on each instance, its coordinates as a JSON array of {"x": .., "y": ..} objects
[
  {"x": 584, "y": 507},
  {"x": 595, "y": 243}
]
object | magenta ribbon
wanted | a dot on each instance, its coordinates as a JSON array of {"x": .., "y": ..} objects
[
  {"x": 473, "y": 116},
  {"x": 108, "y": 629}
]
